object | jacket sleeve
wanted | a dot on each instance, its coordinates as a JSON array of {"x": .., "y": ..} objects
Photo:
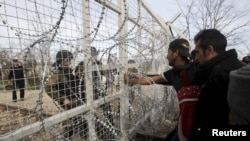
[{"x": 52, "y": 90}]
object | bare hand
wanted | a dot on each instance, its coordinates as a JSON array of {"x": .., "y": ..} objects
[
  {"x": 131, "y": 78},
  {"x": 66, "y": 101}
]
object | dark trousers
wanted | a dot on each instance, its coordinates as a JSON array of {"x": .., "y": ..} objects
[
  {"x": 172, "y": 136},
  {"x": 18, "y": 84}
]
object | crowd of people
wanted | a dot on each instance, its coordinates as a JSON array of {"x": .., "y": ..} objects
[
  {"x": 211, "y": 84},
  {"x": 67, "y": 88},
  {"x": 206, "y": 72}
]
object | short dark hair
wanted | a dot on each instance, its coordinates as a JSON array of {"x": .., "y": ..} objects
[
  {"x": 246, "y": 59},
  {"x": 182, "y": 45},
  {"x": 211, "y": 37},
  {"x": 94, "y": 51},
  {"x": 15, "y": 60},
  {"x": 193, "y": 54},
  {"x": 62, "y": 55}
]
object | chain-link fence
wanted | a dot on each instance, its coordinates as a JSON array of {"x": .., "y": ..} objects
[{"x": 82, "y": 96}]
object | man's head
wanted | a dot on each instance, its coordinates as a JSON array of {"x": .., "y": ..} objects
[
  {"x": 15, "y": 61},
  {"x": 178, "y": 51},
  {"x": 64, "y": 57},
  {"x": 94, "y": 51},
  {"x": 208, "y": 44},
  {"x": 246, "y": 59}
]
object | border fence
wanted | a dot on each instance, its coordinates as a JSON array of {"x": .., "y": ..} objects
[{"x": 125, "y": 33}]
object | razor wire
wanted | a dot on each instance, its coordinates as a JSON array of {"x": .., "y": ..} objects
[{"x": 63, "y": 32}]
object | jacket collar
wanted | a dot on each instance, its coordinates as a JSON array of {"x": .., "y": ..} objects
[{"x": 227, "y": 56}]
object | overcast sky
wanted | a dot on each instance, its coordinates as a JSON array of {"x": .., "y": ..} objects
[{"x": 168, "y": 8}]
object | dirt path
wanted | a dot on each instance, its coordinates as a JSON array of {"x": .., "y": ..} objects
[
  {"x": 30, "y": 101},
  {"x": 15, "y": 115}
]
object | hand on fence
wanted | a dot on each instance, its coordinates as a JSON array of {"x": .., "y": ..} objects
[
  {"x": 66, "y": 101},
  {"x": 131, "y": 78}
]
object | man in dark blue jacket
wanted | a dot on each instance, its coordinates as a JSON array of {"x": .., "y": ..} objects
[
  {"x": 216, "y": 63},
  {"x": 17, "y": 76}
]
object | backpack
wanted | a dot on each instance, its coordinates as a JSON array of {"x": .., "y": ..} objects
[{"x": 188, "y": 97}]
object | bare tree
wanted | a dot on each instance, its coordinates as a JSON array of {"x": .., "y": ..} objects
[
  {"x": 5, "y": 63},
  {"x": 219, "y": 14}
]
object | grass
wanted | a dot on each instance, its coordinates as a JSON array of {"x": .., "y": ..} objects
[{"x": 30, "y": 85}]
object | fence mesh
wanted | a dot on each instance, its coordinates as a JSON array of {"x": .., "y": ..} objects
[{"x": 73, "y": 54}]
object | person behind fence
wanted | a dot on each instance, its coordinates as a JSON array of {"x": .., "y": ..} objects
[
  {"x": 80, "y": 76},
  {"x": 215, "y": 65},
  {"x": 63, "y": 88},
  {"x": 102, "y": 132},
  {"x": 180, "y": 77},
  {"x": 96, "y": 75},
  {"x": 16, "y": 75}
]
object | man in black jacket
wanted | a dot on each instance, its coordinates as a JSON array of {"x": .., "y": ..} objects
[
  {"x": 63, "y": 87},
  {"x": 17, "y": 76},
  {"x": 216, "y": 63}
]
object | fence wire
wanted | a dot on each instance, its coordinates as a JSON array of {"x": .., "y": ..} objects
[{"x": 124, "y": 33}]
